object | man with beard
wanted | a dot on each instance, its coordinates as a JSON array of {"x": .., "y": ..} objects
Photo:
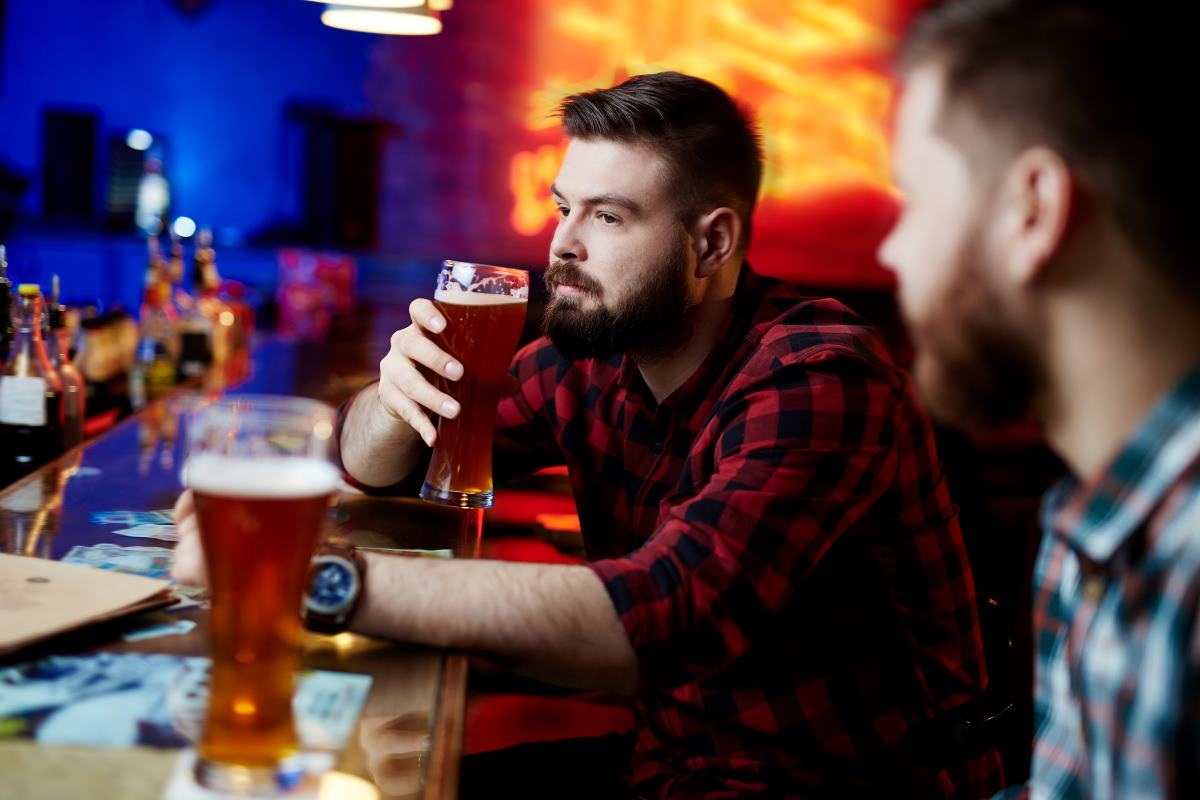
[
  {"x": 775, "y": 569},
  {"x": 1046, "y": 268}
]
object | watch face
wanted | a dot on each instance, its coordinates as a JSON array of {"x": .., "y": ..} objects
[{"x": 334, "y": 585}]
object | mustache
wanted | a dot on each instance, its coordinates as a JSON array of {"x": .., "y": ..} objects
[{"x": 568, "y": 273}]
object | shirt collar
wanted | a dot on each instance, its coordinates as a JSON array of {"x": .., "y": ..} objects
[
  {"x": 1097, "y": 518},
  {"x": 731, "y": 338}
]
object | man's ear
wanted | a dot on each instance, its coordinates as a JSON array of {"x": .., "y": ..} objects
[
  {"x": 715, "y": 238},
  {"x": 1037, "y": 202}
]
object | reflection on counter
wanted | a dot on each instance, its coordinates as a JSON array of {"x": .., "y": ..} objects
[
  {"x": 395, "y": 727},
  {"x": 30, "y": 515}
]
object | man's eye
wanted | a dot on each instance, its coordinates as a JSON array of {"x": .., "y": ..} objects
[
  {"x": 563, "y": 211},
  {"x": 607, "y": 219}
]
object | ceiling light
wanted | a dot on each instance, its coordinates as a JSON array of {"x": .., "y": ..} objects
[{"x": 397, "y": 21}]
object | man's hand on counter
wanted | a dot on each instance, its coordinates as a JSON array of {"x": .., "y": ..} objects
[{"x": 189, "y": 555}]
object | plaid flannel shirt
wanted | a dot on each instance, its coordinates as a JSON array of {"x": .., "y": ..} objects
[
  {"x": 1116, "y": 603},
  {"x": 780, "y": 545}
]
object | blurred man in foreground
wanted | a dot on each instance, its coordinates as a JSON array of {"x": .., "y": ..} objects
[{"x": 1046, "y": 266}]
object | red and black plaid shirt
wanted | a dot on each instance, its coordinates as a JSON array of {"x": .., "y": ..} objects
[{"x": 781, "y": 548}]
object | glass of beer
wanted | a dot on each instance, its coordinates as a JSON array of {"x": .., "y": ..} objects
[
  {"x": 260, "y": 470},
  {"x": 484, "y": 308}
]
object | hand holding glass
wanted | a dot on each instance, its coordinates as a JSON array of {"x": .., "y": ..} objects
[{"x": 484, "y": 308}]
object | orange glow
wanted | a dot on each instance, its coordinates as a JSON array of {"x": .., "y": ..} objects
[
  {"x": 801, "y": 65},
  {"x": 530, "y": 175}
]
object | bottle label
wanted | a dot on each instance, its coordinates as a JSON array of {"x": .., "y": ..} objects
[{"x": 22, "y": 401}]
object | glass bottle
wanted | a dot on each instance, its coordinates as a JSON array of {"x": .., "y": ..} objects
[
  {"x": 74, "y": 392},
  {"x": 195, "y": 327},
  {"x": 208, "y": 298},
  {"x": 181, "y": 299},
  {"x": 153, "y": 372},
  {"x": 6, "y": 309},
  {"x": 31, "y": 417}
]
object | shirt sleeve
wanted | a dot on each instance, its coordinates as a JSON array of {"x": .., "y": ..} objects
[{"x": 804, "y": 452}]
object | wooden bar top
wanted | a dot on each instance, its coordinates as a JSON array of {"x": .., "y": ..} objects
[{"x": 407, "y": 741}]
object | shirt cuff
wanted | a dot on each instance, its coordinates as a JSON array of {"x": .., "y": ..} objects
[{"x": 662, "y": 658}]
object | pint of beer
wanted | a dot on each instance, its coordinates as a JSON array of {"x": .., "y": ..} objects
[
  {"x": 484, "y": 308},
  {"x": 262, "y": 481}
]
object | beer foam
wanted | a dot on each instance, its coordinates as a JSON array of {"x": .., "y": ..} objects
[
  {"x": 459, "y": 298},
  {"x": 264, "y": 477}
]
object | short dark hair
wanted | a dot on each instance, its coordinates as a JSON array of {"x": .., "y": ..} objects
[
  {"x": 710, "y": 143},
  {"x": 1101, "y": 82}
]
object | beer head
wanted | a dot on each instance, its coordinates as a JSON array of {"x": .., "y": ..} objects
[
  {"x": 462, "y": 277},
  {"x": 267, "y": 478},
  {"x": 461, "y": 298},
  {"x": 484, "y": 309}
]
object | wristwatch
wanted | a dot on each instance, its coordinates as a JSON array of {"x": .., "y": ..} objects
[{"x": 336, "y": 577}]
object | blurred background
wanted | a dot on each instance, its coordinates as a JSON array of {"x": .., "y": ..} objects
[
  {"x": 336, "y": 168},
  {"x": 276, "y": 130}
]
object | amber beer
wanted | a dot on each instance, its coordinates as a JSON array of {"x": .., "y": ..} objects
[
  {"x": 259, "y": 518},
  {"x": 482, "y": 331}
]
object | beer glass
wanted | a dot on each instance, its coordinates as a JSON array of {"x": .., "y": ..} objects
[
  {"x": 484, "y": 308},
  {"x": 260, "y": 472}
]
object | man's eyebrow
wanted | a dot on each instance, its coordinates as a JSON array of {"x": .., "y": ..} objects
[
  {"x": 610, "y": 199},
  {"x": 619, "y": 200}
]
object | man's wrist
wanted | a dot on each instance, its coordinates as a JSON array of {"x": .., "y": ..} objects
[
  {"x": 376, "y": 448},
  {"x": 386, "y": 426},
  {"x": 336, "y": 583},
  {"x": 381, "y": 420}
]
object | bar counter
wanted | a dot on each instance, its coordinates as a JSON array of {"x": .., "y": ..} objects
[{"x": 407, "y": 741}]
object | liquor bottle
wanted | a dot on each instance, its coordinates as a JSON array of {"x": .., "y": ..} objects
[
  {"x": 234, "y": 294},
  {"x": 238, "y": 367},
  {"x": 156, "y": 272},
  {"x": 149, "y": 328},
  {"x": 159, "y": 273},
  {"x": 74, "y": 392},
  {"x": 170, "y": 313},
  {"x": 6, "y": 327},
  {"x": 195, "y": 329},
  {"x": 30, "y": 394},
  {"x": 153, "y": 372},
  {"x": 208, "y": 298},
  {"x": 180, "y": 300}
]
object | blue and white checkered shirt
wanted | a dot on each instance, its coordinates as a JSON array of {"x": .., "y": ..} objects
[{"x": 1116, "y": 603}]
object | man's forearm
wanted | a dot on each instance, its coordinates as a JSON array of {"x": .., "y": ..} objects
[
  {"x": 549, "y": 621},
  {"x": 377, "y": 449}
]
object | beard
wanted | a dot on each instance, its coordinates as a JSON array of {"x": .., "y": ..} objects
[
  {"x": 976, "y": 366},
  {"x": 650, "y": 322}
]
